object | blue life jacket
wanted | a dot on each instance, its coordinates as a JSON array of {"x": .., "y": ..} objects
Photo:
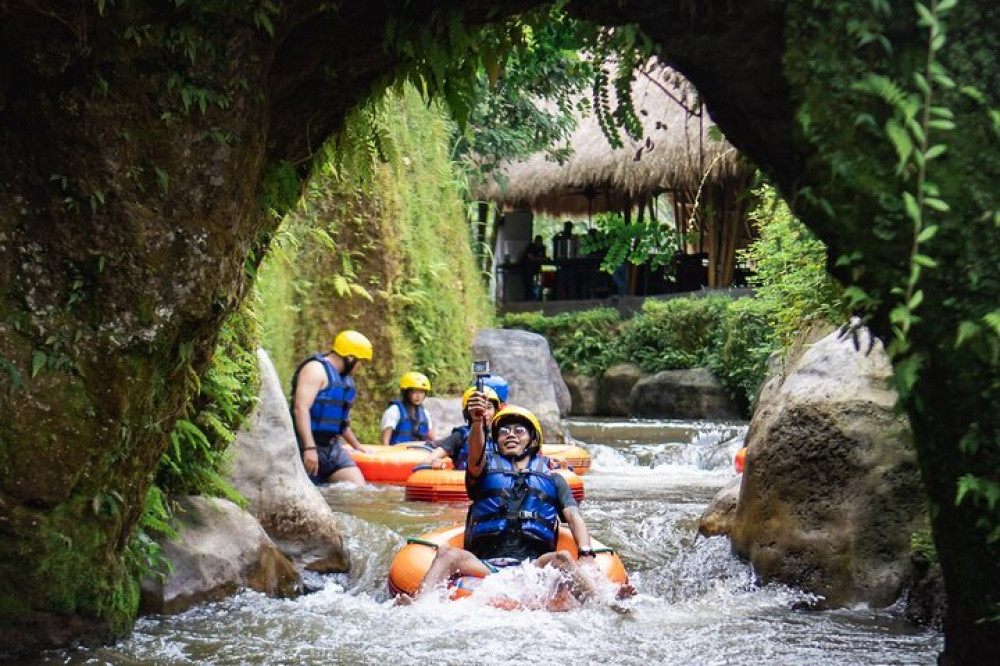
[
  {"x": 461, "y": 457},
  {"x": 506, "y": 500},
  {"x": 406, "y": 430},
  {"x": 330, "y": 413}
]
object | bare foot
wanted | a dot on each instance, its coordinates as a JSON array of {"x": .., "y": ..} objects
[{"x": 626, "y": 591}]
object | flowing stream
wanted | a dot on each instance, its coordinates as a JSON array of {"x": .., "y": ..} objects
[{"x": 648, "y": 484}]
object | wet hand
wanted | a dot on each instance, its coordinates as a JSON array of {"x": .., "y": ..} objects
[
  {"x": 311, "y": 461},
  {"x": 477, "y": 405}
]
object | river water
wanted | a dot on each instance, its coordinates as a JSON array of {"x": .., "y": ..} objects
[{"x": 649, "y": 482}]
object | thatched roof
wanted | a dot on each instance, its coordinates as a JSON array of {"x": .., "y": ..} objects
[{"x": 674, "y": 154}]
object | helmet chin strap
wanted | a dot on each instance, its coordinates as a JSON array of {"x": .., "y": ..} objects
[{"x": 349, "y": 363}]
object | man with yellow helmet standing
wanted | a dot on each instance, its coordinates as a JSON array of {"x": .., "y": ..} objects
[
  {"x": 323, "y": 391},
  {"x": 406, "y": 420}
]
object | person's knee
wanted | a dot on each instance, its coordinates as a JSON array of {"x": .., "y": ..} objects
[
  {"x": 565, "y": 559},
  {"x": 447, "y": 555},
  {"x": 561, "y": 559}
]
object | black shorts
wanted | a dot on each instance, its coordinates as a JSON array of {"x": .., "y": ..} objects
[
  {"x": 331, "y": 459},
  {"x": 495, "y": 564}
]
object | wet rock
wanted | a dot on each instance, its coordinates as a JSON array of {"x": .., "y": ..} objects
[
  {"x": 220, "y": 549},
  {"x": 525, "y": 361},
  {"x": 926, "y": 601},
  {"x": 583, "y": 391},
  {"x": 267, "y": 470},
  {"x": 717, "y": 519},
  {"x": 831, "y": 492},
  {"x": 615, "y": 386},
  {"x": 694, "y": 393}
]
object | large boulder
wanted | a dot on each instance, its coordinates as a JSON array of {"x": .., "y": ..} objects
[
  {"x": 219, "y": 550},
  {"x": 525, "y": 361},
  {"x": 267, "y": 470},
  {"x": 614, "y": 388},
  {"x": 831, "y": 491},
  {"x": 446, "y": 413},
  {"x": 583, "y": 391},
  {"x": 694, "y": 393}
]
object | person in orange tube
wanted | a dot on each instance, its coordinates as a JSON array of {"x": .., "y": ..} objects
[
  {"x": 456, "y": 445},
  {"x": 517, "y": 501},
  {"x": 406, "y": 420}
]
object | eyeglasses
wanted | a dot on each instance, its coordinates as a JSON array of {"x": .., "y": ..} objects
[{"x": 518, "y": 430}]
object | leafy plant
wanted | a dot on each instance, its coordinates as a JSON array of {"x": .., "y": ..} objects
[
  {"x": 196, "y": 458},
  {"x": 672, "y": 334},
  {"x": 790, "y": 273},
  {"x": 641, "y": 241},
  {"x": 582, "y": 342},
  {"x": 741, "y": 347}
]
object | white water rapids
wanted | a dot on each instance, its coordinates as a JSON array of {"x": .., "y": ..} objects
[{"x": 648, "y": 484}]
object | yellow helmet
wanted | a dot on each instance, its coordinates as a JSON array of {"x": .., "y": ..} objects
[
  {"x": 352, "y": 343},
  {"x": 490, "y": 394},
  {"x": 511, "y": 412},
  {"x": 415, "y": 380}
]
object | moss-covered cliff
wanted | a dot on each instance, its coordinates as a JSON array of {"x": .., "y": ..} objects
[{"x": 381, "y": 244}]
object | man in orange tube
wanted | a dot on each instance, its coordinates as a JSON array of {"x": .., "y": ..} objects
[{"x": 517, "y": 502}]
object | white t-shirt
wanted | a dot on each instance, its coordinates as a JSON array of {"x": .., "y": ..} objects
[{"x": 391, "y": 417}]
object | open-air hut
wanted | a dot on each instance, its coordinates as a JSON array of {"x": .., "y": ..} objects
[{"x": 680, "y": 157}]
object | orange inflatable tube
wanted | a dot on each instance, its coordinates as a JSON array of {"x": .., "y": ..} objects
[
  {"x": 740, "y": 461},
  {"x": 389, "y": 464},
  {"x": 441, "y": 485},
  {"x": 574, "y": 456},
  {"x": 413, "y": 560}
]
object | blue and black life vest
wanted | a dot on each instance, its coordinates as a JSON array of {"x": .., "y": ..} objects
[
  {"x": 407, "y": 430},
  {"x": 330, "y": 413},
  {"x": 507, "y": 500}
]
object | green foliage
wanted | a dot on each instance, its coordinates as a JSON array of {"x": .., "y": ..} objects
[
  {"x": 514, "y": 85},
  {"x": 194, "y": 462},
  {"x": 144, "y": 557},
  {"x": 380, "y": 244},
  {"x": 584, "y": 343},
  {"x": 644, "y": 241},
  {"x": 281, "y": 188},
  {"x": 618, "y": 53},
  {"x": 672, "y": 334},
  {"x": 909, "y": 129},
  {"x": 790, "y": 272},
  {"x": 732, "y": 338},
  {"x": 743, "y": 342},
  {"x": 525, "y": 102},
  {"x": 922, "y": 545}
]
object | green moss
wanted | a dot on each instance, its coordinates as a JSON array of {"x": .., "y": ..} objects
[
  {"x": 281, "y": 186},
  {"x": 380, "y": 244}
]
